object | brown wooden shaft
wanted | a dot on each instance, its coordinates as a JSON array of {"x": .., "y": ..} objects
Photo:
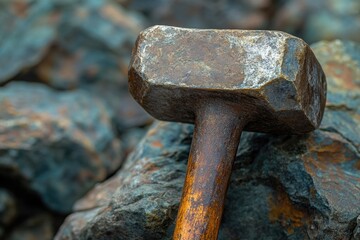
[{"x": 216, "y": 137}]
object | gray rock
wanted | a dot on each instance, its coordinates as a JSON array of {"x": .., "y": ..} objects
[
  {"x": 69, "y": 39},
  {"x": 282, "y": 187},
  {"x": 127, "y": 113},
  {"x": 25, "y": 36},
  {"x": 93, "y": 44},
  {"x": 241, "y": 14},
  {"x": 319, "y": 20},
  {"x": 54, "y": 143}
]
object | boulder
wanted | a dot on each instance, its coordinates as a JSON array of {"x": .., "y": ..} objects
[
  {"x": 282, "y": 187},
  {"x": 25, "y": 37},
  {"x": 93, "y": 44},
  {"x": 73, "y": 44},
  {"x": 55, "y": 144}
]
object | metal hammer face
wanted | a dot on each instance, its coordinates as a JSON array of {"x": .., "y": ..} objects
[
  {"x": 224, "y": 81},
  {"x": 273, "y": 73}
]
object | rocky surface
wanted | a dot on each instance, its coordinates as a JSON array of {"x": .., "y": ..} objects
[
  {"x": 311, "y": 20},
  {"x": 56, "y": 144},
  {"x": 93, "y": 44},
  {"x": 66, "y": 45},
  {"x": 282, "y": 187},
  {"x": 26, "y": 35},
  {"x": 52, "y": 147},
  {"x": 244, "y": 14}
]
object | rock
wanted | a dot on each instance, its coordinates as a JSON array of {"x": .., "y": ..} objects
[
  {"x": 341, "y": 63},
  {"x": 127, "y": 113},
  {"x": 148, "y": 191},
  {"x": 282, "y": 187},
  {"x": 57, "y": 144},
  {"x": 243, "y": 14},
  {"x": 37, "y": 227},
  {"x": 94, "y": 44},
  {"x": 8, "y": 210},
  {"x": 319, "y": 20},
  {"x": 92, "y": 52},
  {"x": 131, "y": 138},
  {"x": 70, "y": 40},
  {"x": 356, "y": 234},
  {"x": 28, "y": 32}
]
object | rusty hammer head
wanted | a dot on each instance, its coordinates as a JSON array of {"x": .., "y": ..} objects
[{"x": 273, "y": 76}]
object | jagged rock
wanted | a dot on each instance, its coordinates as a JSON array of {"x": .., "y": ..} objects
[
  {"x": 282, "y": 187},
  {"x": 27, "y": 31},
  {"x": 74, "y": 41},
  {"x": 93, "y": 44},
  {"x": 341, "y": 63},
  {"x": 57, "y": 144}
]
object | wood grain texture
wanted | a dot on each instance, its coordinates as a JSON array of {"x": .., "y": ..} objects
[{"x": 214, "y": 145}]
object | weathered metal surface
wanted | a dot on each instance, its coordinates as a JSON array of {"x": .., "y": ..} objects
[
  {"x": 224, "y": 81},
  {"x": 271, "y": 73}
]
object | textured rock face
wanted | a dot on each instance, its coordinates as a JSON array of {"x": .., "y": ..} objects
[
  {"x": 66, "y": 45},
  {"x": 56, "y": 144},
  {"x": 282, "y": 187},
  {"x": 68, "y": 38},
  {"x": 25, "y": 45},
  {"x": 93, "y": 44},
  {"x": 272, "y": 73}
]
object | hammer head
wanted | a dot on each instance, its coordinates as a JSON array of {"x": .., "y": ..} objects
[{"x": 271, "y": 76}]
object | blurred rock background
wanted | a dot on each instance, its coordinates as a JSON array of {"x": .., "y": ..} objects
[{"x": 67, "y": 122}]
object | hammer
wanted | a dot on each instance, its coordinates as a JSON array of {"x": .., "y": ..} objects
[{"x": 226, "y": 82}]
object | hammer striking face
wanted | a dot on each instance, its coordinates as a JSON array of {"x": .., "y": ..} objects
[{"x": 224, "y": 81}]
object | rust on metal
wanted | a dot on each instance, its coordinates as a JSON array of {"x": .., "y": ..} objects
[{"x": 224, "y": 81}]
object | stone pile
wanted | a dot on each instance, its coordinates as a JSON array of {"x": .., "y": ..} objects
[{"x": 67, "y": 123}]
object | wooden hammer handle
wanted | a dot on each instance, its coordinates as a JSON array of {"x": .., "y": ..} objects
[{"x": 216, "y": 138}]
